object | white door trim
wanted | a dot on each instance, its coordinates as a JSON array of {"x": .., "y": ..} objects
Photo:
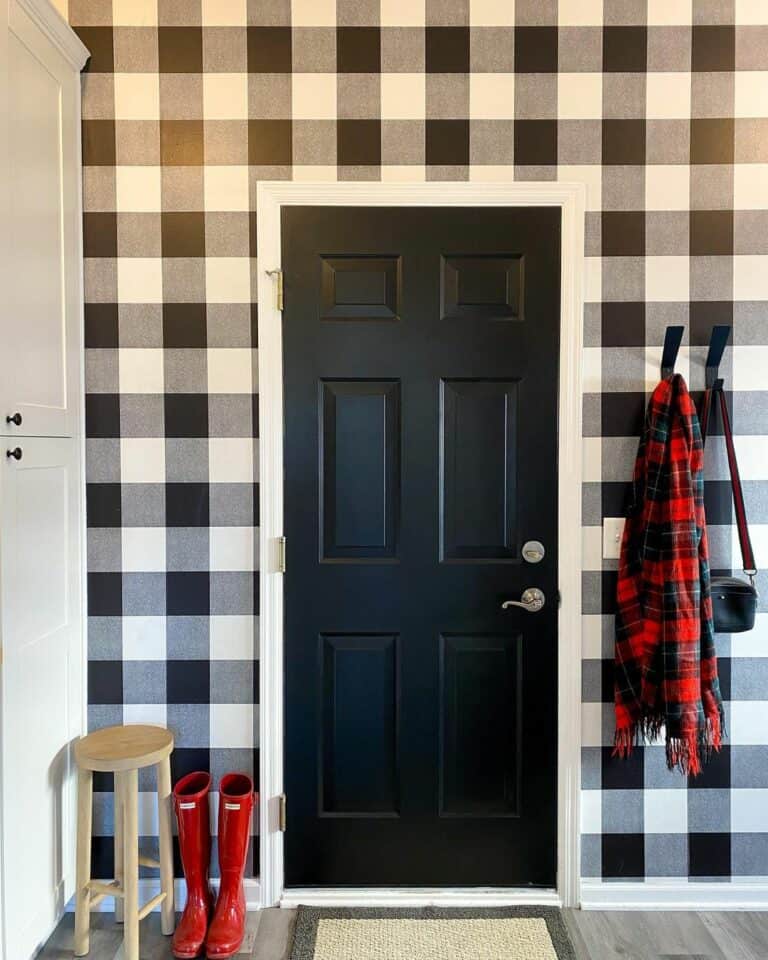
[
  {"x": 419, "y": 897},
  {"x": 271, "y": 196}
]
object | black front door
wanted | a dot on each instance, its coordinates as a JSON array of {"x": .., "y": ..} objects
[{"x": 421, "y": 382}]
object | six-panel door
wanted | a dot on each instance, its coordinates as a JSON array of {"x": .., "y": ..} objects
[{"x": 420, "y": 356}]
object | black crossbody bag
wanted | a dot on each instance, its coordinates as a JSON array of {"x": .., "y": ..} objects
[{"x": 734, "y": 601}]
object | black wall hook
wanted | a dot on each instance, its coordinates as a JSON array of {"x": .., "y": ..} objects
[
  {"x": 717, "y": 342},
  {"x": 672, "y": 340}
]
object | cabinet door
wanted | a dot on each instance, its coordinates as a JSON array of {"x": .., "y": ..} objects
[
  {"x": 42, "y": 683},
  {"x": 41, "y": 315}
]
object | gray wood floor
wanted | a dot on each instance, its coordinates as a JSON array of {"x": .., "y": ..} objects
[{"x": 596, "y": 936}]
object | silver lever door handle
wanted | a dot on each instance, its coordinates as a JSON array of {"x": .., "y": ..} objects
[{"x": 532, "y": 600}]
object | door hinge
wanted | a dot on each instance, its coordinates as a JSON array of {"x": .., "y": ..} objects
[
  {"x": 282, "y": 812},
  {"x": 281, "y": 554},
  {"x": 278, "y": 277}
]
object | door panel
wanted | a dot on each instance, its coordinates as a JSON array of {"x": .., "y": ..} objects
[
  {"x": 482, "y": 287},
  {"x": 420, "y": 374},
  {"x": 359, "y": 467},
  {"x": 40, "y": 381},
  {"x": 359, "y": 727},
  {"x": 480, "y": 726},
  {"x": 42, "y": 658},
  {"x": 478, "y": 470},
  {"x": 360, "y": 288}
]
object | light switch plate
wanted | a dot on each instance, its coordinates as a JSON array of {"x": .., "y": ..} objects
[{"x": 613, "y": 530}]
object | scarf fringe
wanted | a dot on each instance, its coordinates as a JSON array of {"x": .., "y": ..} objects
[{"x": 686, "y": 753}]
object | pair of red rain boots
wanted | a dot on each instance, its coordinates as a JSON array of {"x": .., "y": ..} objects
[{"x": 220, "y": 930}]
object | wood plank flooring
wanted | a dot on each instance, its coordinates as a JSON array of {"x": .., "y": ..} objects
[
  {"x": 596, "y": 936},
  {"x": 669, "y": 936}
]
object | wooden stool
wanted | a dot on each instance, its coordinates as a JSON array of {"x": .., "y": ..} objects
[{"x": 123, "y": 751}]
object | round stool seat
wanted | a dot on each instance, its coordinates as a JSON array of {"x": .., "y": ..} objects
[{"x": 115, "y": 749}]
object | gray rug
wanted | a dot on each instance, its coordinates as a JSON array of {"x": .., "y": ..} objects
[{"x": 431, "y": 933}]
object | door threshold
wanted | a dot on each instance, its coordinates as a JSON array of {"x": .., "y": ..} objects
[{"x": 419, "y": 897}]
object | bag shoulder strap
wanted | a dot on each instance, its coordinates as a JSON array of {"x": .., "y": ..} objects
[{"x": 747, "y": 555}]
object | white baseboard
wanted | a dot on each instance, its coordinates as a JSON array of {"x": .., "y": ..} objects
[
  {"x": 150, "y": 887},
  {"x": 740, "y": 894},
  {"x": 419, "y": 897}
]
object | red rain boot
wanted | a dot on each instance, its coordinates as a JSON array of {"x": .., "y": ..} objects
[
  {"x": 227, "y": 930},
  {"x": 190, "y": 796}
]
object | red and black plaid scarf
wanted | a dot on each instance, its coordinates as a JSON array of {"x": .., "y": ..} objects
[{"x": 666, "y": 668}]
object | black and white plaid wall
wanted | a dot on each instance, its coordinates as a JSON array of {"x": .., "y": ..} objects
[{"x": 659, "y": 106}]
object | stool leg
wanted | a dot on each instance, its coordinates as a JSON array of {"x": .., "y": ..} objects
[
  {"x": 129, "y": 799},
  {"x": 83, "y": 896},
  {"x": 168, "y": 918},
  {"x": 119, "y": 872}
]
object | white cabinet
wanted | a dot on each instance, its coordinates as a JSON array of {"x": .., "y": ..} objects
[
  {"x": 42, "y": 669},
  {"x": 39, "y": 384},
  {"x": 42, "y": 683}
]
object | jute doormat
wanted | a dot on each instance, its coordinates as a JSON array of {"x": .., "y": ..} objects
[{"x": 431, "y": 933}]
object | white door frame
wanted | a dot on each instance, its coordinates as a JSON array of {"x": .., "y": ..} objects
[{"x": 271, "y": 196}]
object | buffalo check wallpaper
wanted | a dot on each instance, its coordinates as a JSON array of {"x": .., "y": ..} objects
[{"x": 659, "y": 106}]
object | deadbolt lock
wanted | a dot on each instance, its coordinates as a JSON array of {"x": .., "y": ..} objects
[{"x": 533, "y": 551}]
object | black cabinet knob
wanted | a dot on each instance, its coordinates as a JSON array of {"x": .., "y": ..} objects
[
  {"x": 16, "y": 418},
  {"x": 15, "y": 453}
]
